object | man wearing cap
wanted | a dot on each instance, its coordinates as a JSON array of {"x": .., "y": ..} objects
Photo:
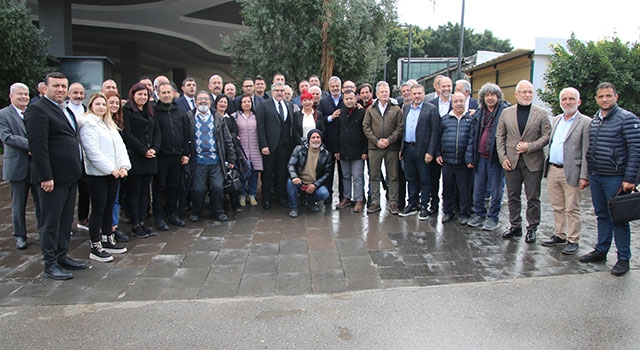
[{"x": 309, "y": 168}]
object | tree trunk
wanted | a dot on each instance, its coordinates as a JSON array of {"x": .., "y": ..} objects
[{"x": 327, "y": 62}]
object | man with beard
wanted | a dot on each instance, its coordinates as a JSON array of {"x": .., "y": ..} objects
[
  {"x": 613, "y": 160},
  {"x": 174, "y": 152},
  {"x": 309, "y": 168}
]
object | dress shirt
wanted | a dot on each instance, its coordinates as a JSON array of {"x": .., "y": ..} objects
[
  {"x": 556, "y": 151},
  {"x": 443, "y": 107},
  {"x": 20, "y": 112},
  {"x": 412, "y": 122},
  {"x": 382, "y": 107},
  {"x": 284, "y": 108}
]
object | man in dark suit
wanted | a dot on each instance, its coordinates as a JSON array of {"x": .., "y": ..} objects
[
  {"x": 420, "y": 141},
  {"x": 54, "y": 146},
  {"x": 274, "y": 121},
  {"x": 523, "y": 131},
  {"x": 443, "y": 105},
  {"x": 329, "y": 108},
  {"x": 187, "y": 101},
  {"x": 464, "y": 87},
  {"x": 16, "y": 160}
]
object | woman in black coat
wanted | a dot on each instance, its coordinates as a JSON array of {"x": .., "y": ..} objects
[{"x": 141, "y": 135}]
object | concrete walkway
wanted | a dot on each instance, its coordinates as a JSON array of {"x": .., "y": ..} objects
[{"x": 334, "y": 278}]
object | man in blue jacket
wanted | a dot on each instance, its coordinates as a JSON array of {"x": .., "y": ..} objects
[{"x": 613, "y": 160}]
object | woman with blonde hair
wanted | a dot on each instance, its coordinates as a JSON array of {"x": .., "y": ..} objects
[{"x": 105, "y": 161}]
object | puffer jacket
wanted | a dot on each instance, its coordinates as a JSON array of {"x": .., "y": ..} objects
[
  {"x": 454, "y": 138},
  {"x": 614, "y": 147},
  {"x": 299, "y": 159}
]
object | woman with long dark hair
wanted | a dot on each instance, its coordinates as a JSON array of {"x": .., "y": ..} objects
[
  {"x": 141, "y": 134},
  {"x": 245, "y": 120},
  {"x": 105, "y": 161}
]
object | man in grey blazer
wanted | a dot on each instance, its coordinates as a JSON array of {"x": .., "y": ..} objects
[
  {"x": 566, "y": 171},
  {"x": 16, "y": 160},
  {"x": 523, "y": 131}
]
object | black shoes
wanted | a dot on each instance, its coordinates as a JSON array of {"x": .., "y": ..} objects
[
  {"x": 408, "y": 211},
  {"x": 120, "y": 236},
  {"x": 293, "y": 212},
  {"x": 194, "y": 218},
  {"x": 56, "y": 272},
  {"x": 138, "y": 232},
  {"x": 70, "y": 264},
  {"x": 554, "y": 241},
  {"x": 161, "y": 225},
  {"x": 21, "y": 243},
  {"x": 176, "y": 221},
  {"x": 594, "y": 256},
  {"x": 530, "y": 237},
  {"x": 147, "y": 230},
  {"x": 570, "y": 248},
  {"x": 221, "y": 217},
  {"x": 447, "y": 218},
  {"x": 620, "y": 268},
  {"x": 512, "y": 232}
]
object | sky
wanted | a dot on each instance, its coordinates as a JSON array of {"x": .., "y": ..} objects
[{"x": 524, "y": 21}]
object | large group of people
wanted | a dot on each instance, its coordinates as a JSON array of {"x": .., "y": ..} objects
[{"x": 183, "y": 146}]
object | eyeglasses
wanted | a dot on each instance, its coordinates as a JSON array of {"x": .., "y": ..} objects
[{"x": 202, "y": 99}]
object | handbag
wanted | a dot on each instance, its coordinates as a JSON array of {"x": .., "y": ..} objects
[
  {"x": 624, "y": 207},
  {"x": 232, "y": 181},
  {"x": 243, "y": 164}
]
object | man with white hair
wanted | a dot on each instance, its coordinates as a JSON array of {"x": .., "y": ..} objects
[
  {"x": 15, "y": 168},
  {"x": 160, "y": 79},
  {"x": 464, "y": 87},
  {"x": 566, "y": 171},
  {"x": 382, "y": 126},
  {"x": 523, "y": 131}
]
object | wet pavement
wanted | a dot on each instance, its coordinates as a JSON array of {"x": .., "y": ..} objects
[{"x": 262, "y": 253}]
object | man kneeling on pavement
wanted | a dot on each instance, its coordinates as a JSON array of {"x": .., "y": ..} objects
[{"x": 309, "y": 168}]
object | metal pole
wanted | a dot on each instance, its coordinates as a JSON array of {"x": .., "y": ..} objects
[
  {"x": 461, "y": 42},
  {"x": 409, "y": 56}
]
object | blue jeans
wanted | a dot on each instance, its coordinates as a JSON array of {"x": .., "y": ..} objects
[
  {"x": 604, "y": 188},
  {"x": 488, "y": 176},
  {"x": 207, "y": 178},
  {"x": 250, "y": 186},
  {"x": 320, "y": 194},
  {"x": 416, "y": 172},
  {"x": 115, "y": 214}
]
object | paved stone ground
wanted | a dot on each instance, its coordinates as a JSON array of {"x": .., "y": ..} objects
[{"x": 264, "y": 253}]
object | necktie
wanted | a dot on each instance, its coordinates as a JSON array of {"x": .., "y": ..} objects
[
  {"x": 280, "y": 111},
  {"x": 193, "y": 105}
]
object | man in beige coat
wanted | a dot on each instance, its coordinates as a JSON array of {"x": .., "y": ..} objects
[
  {"x": 523, "y": 131},
  {"x": 382, "y": 125},
  {"x": 566, "y": 171}
]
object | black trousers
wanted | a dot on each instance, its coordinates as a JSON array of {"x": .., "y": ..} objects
[
  {"x": 436, "y": 170},
  {"x": 103, "y": 191},
  {"x": 166, "y": 184},
  {"x": 275, "y": 173},
  {"x": 138, "y": 197},
  {"x": 57, "y": 215},
  {"x": 84, "y": 200}
]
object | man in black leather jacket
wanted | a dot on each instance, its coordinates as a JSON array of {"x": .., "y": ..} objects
[{"x": 309, "y": 168}]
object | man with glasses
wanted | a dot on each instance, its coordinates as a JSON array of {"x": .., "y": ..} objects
[
  {"x": 273, "y": 117},
  {"x": 523, "y": 131}
]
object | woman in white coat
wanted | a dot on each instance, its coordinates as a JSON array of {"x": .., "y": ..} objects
[{"x": 105, "y": 161}]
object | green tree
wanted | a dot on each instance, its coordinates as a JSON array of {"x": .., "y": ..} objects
[
  {"x": 22, "y": 50},
  {"x": 440, "y": 42},
  {"x": 287, "y": 36},
  {"x": 584, "y": 65}
]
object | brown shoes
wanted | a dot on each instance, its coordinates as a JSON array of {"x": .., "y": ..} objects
[
  {"x": 358, "y": 207},
  {"x": 393, "y": 209},
  {"x": 374, "y": 208},
  {"x": 345, "y": 202}
]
